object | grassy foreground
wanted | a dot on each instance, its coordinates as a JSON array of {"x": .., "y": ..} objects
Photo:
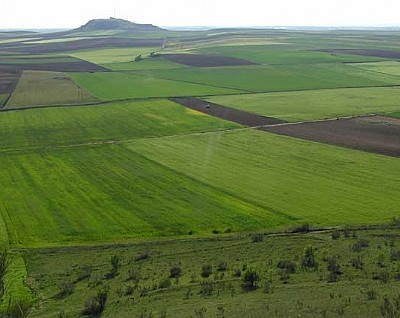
[{"x": 347, "y": 274}]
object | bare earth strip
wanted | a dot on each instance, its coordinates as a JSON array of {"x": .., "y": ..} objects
[
  {"x": 375, "y": 134},
  {"x": 235, "y": 115}
]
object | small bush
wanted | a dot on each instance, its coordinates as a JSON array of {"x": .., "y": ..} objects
[
  {"x": 250, "y": 280},
  {"x": 303, "y": 228},
  {"x": 84, "y": 273},
  {"x": 222, "y": 266},
  {"x": 215, "y": 231},
  {"x": 94, "y": 306},
  {"x": 133, "y": 275},
  {"x": 237, "y": 272},
  {"x": 389, "y": 309},
  {"x": 335, "y": 235},
  {"x": 66, "y": 289},
  {"x": 370, "y": 294},
  {"x": 357, "y": 263},
  {"x": 395, "y": 255},
  {"x": 175, "y": 272},
  {"x": 206, "y": 271},
  {"x": 308, "y": 260},
  {"x": 383, "y": 276},
  {"x": 115, "y": 262},
  {"x": 142, "y": 256},
  {"x": 288, "y": 266},
  {"x": 257, "y": 237},
  {"x": 360, "y": 245}
]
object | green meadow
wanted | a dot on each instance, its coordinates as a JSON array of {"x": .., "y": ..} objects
[
  {"x": 118, "y": 85},
  {"x": 278, "y": 77},
  {"x": 303, "y": 181},
  {"x": 316, "y": 104},
  {"x": 389, "y": 67},
  {"x": 49, "y": 127}
]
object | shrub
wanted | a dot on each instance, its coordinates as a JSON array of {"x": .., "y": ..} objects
[
  {"x": 237, "y": 272},
  {"x": 84, "y": 273},
  {"x": 115, "y": 262},
  {"x": 308, "y": 261},
  {"x": 142, "y": 256},
  {"x": 257, "y": 237},
  {"x": 215, "y": 231},
  {"x": 250, "y": 280},
  {"x": 370, "y": 294},
  {"x": 335, "y": 235},
  {"x": 96, "y": 305},
  {"x": 303, "y": 228},
  {"x": 389, "y": 309},
  {"x": 360, "y": 245},
  {"x": 395, "y": 255},
  {"x": 357, "y": 262},
  {"x": 175, "y": 272},
  {"x": 66, "y": 289},
  {"x": 206, "y": 271},
  {"x": 133, "y": 275},
  {"x": 288, "y": 266},
  {"x": 383, "y": 276},
  {"x": 222, "y": 266}
]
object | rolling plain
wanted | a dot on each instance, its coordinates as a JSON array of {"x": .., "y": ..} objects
[{"x": 119, "y": 198}]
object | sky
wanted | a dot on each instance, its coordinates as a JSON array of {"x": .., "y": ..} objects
[{"x": 74, "y": 13}]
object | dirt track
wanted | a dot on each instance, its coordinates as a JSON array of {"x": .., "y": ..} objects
[
  {"x": 238, "y": 116},
  {"x": 373, "y": 134},
  {"x": 206, "y": 60}
]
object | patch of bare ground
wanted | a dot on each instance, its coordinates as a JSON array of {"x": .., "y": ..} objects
[
  {"x": 227, "y": 113},
  {"x": 206, "y": 60},
  {"x": 375, "y": 134}
]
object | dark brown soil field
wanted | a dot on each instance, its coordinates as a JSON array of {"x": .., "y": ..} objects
[
  {"x": 8, "y": 81},
  {"x": 375, "y": 134},
  {"x": 79, "y": 45},
  {"x": 366, "y": 52},
  {"x": 206, "y": 60},
  {"x": 227, "y": 113},
  {"x": 79, "y": 66}
]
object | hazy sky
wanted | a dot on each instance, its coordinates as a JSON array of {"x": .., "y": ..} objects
[{"x": 73, "y": 13}]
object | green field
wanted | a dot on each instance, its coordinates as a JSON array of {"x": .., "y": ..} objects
[
  {"x": 3, "y": 98},
  {"x": 38, "y": 88},
  {"x": 109, "y": 194},
  {"x": 267, "y": 55},
  {"x": 112, "y": 55},
  {"x": 390, "y": 67},
  {"x": 158, "y": 63},
  {"x": 109, "y": 86},
  {"x": 316, "y": 104},
  {"x": 305, "y": 181},
  {"x": 278, "y": 77},
  {"x": 50, "y": 127}
]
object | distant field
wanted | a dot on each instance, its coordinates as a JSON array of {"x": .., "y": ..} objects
[
  {"x": 76, "y": 125},
  {"x": 112, "y": 55},
  {"x": 390, "y": 67},
  {"x": 36, "y": 59},
  {"x": 305, "y": 181},
  {"x": 116, "y": 85},
  {"x": 316, "y": 104},
  {"x": 47, "y": 88},
  {"x": 279, "y": 77},
  {"x": 146, "y": 64},
  {"x": 266, "y": 54},
  {"x": 109, "y": 193}
]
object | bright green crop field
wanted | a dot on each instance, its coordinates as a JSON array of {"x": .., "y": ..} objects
[
  {"x": 116, "y": 85},
  {"x": 264, "y": 54},
  {"x": 305, "y": 181},
  {"x": 316, "y": 104},
  {"x": 108, "y": 194},
  {"x": 278, "y": 77},
  {"x": 48, "y": 127}
]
